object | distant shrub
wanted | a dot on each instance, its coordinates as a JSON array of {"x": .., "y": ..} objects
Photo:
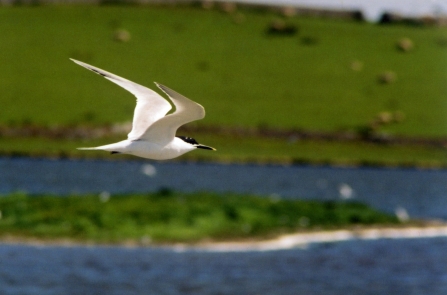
[
  {"x": 121, "y": 35},
  {"x": 288, "y": 11},
  {"x": 228, "y": 7},
  {"x": 280, "y": 27},
  {"x": 387, "y": 77},
  {"x": 356, "y": 65},
  {"x": 405, "y": 44},
  {"x": 207, "y": 4}
]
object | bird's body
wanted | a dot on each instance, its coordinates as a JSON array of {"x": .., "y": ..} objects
[
  {"x": 153, "y": 130},
  {"x": 147, "y": 149}
]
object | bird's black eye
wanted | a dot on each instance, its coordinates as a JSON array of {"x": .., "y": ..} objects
[{"x": 188, "y": 139}]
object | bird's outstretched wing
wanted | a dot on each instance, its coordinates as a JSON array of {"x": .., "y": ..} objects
[
  {"x": 150, "y": 105},
  {"x": 186, "y": 110}
]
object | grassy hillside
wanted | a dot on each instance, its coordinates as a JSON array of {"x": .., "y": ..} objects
[
  {"x": 241, "y": 75},
  {"x": 323, "y": 78}
]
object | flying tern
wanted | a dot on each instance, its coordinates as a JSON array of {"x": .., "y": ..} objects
[{"x": 153, "y": 129}]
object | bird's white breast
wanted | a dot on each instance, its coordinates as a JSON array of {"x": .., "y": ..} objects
[{"x": 146, "y": 149}]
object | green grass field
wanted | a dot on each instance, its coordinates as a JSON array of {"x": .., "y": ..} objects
[
  {"x": 242, "y": 76},
  {"x": 169, "y": 216}
]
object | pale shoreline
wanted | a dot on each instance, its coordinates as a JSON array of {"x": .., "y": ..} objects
[
  {"x": 299, "y": 240},
  {"x": 303, "y": 240}
]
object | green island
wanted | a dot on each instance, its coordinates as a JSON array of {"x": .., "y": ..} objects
[
  {"x": 167, "y": 216},
  {"x": 335, "y": 91}
]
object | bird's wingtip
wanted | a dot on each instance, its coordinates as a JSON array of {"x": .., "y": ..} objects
[{"x": 77, "y": 62}]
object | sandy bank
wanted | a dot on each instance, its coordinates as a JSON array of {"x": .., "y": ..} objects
[
  {"x": 298, "y": 240},
  {"x": 302, "y": 240}
]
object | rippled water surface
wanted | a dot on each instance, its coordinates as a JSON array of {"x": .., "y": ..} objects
[{"x": 398, "y": 267}]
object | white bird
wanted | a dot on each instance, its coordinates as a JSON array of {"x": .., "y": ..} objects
[{"x": 153, "y": 130}]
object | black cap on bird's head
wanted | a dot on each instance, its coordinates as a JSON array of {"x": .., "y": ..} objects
[{"x": 193, "y": 142}]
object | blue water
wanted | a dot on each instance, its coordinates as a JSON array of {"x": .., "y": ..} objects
[
  {"x": 400, "y": 267},
  {"x": 423, "y": 193}
]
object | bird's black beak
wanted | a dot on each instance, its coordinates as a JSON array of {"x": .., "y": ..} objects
[{"x": 205, "y": 147}]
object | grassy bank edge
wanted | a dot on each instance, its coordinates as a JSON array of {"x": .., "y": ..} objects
[{"x": 250, "y": 151}]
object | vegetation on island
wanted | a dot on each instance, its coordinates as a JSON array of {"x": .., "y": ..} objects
[
  {"x": 168, "y": 216},
  {"x": 322, "y": 90}
]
